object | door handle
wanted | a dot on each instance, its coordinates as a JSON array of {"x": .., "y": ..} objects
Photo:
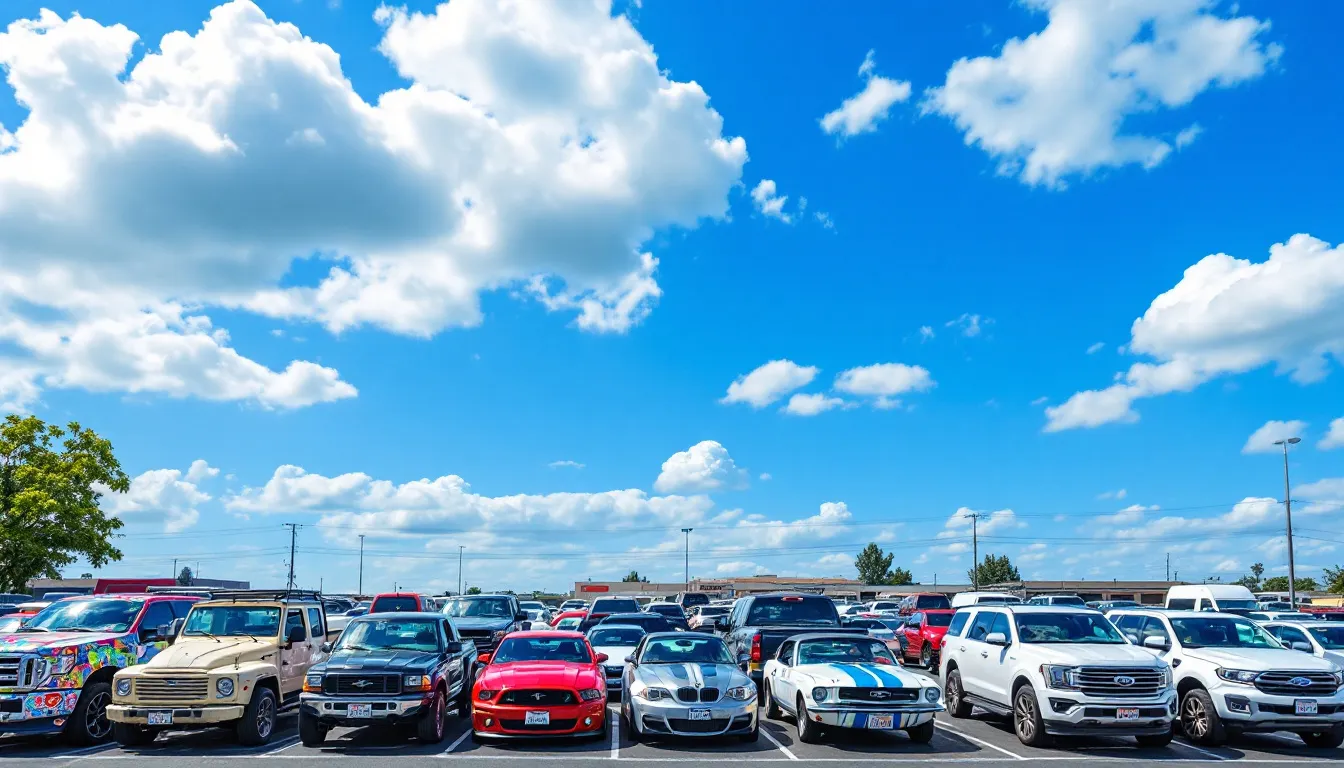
[
  {"x": 962, "y": 648},
  {"x": 984, "y": 654}
]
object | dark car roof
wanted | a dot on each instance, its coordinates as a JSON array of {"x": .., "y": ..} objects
[
  {"x": 642, "y": 616},
  {"x": 399, "y": 615},
  {"x": 829, "y": 636}
]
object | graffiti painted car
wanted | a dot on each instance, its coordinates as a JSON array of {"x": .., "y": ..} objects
[{"x": 56, "y": 669}]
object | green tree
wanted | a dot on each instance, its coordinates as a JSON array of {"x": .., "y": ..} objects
[
  {"x": 473, "y": 590},
  {"x": 995, "y": 569},
  {"x": 1334, "y": 579},
  {"x": 634, "y": 576},
  {"x": 50, "y": 483},
  {"x": 1280, "y": 584},
  {"x": 899, "y": 577},
  {"x": 186, "y": 578},
  {"x": 874, "y": 565},
  {"x": 1252, "y": 580}
]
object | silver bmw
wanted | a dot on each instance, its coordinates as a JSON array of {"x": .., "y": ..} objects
[{"x": 686, "y": 684}]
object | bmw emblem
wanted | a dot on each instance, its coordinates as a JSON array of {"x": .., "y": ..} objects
[
  {"x": 1124, "y": 680},
  {"x": 1300, "y": 682}
]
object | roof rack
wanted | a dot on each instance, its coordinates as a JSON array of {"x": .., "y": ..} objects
[{"x": 266, "y": 594}]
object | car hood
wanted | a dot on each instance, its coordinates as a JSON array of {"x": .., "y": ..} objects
[
  {"x": 27, "y": 642},
  {"x": 482, "y": 622},
  {"x": 1072, "y": 654},
  {"x": 674, "y": 676},
  {"x": 540, "y": 674},
  {"x": 343, "y": 661},
  {"x": 1261, "y": 659},
  {"x": 863, "y": 675},
  {"x": 204, "y": 653},
  {"x": 615, "y": 653}
]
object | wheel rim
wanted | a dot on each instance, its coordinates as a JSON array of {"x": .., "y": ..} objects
[
  {"x": 954, "y": 692},
  {"x": 925, "y": 657},
  {"x": 438, "y": 715},
  {"x": 95, "y": 717},
  {"x": 1194, "y": 719},
  {"x": 265, "y": 716},
  {"x": 802, "y": 715},
  {"x": 1026, "y": 718}
]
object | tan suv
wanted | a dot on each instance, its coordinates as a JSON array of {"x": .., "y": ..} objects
[{"x": 239, "y": 659}]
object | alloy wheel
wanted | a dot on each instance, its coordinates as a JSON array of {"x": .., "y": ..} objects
[
  {"x": 265, "y": 717},
  {"x": 95, "y": 717},
  {"x": 1194, "y": 718},
  {"x": 1025, "y": 722}
]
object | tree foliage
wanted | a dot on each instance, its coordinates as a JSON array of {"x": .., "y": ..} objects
[
  {"x": 899, "y": 576},
  {"x": 874, "y": 567},
  {"x": 50, "y": 482},
  {"x": 1280, "y": 584},
  {"x": 1252, "y": 580},
  {"x": 994, "y": 569},
  {"x": 186, "y": 578},
  {"x": 634, "y": 576},
  {"x": 1334, "y": 580},
  {"x": 473, "y": 590}
]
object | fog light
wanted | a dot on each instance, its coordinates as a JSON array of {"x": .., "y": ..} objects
[
  {"x": 489, "y": 722},
  {"x": 1061, "y": 705},
  {"x": 1238, "y": 704},
  {"x": 587, "y": 721}
]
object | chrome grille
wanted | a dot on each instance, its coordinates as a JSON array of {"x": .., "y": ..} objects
[
  {"x": 483, "y": 638},
  {"x": 9, "y": 671},
  {"x": 361, "y": 685},
  {"x": 172, "y": 690},
  {"x": 879, "y": 695},
  {"x": 1280, "y": 683},
  {"x": 538, "y": 697},
  {"x": 1106, "y": 682}
]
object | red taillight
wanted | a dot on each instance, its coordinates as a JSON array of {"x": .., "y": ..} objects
[{"x": 756, "y": 647}]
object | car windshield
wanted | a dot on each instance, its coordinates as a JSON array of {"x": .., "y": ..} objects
[
  {"x": 10, "y": 623},
  {"x": 1330, "y": 638},
  {"x": 106, "y": 615},
  {"x": 615, "y": 606},
  {"x": 616, "y": 635},
  {"x": 1066, "y": 628},
  {"x": 667, "y": 610},
  {"x": 892, "y": 624},
  {"x": 791, "y": 610},
  {"x": 233, "y": 620},
  {"x": 714, "y": 610},
  {"x": 390, "y": 635},
  {"x": 1221, "y": 632},
  {"x": 532, "y": 606},
  {"x": 1067, "y": 600},
  {"x": 932, "y": 601},
  {"x": 1238, "y": 605},
  {"x": 479, "y": 607},
  {"x": 938, "y": 619},
  {"x": 685, "y": 650},
  {"x": 566, "y": 649},
  {"x": 395, "y": 605},
  {"x": 570, "y": 623},
  {"x": 843, "y": 650}
]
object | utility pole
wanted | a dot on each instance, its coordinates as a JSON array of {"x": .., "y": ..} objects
[
  {"x": 1288, "y": 513},
  {"x": 459, "y": 568},
  {"x": 174, "y": 570},
  {"x": 1168, "y": 566},
  {"x": 687, "y": 531},
  {"x": 361, "y": 565},
  {"x": 293, "y": 539},
  {"x": 975, "y": 551}
]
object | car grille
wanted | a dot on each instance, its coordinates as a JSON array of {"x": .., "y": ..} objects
[
  {"x": 1101, "y": 681},
  {"x": 1289, "y": 709},
  {"x": 1144, "y": 712},
  {"x": 539, "y": 697},
  {"x": 172, "y": 690},
  {"x": 11, "y": 671},
  {"x": 361, "y": 685},
  {"x": 566, "y": 724},
  {"x": 1278, "y": 683},
  {"x": 689, "y": 694},
  {"x": 879, "y": 695},
  {"x": 697, "y": 726},
  {"x": 483, "y": 638}
]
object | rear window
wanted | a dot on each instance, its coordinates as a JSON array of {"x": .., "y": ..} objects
[
  {"x": 667, "y": 610},
  {"x": 941, "y": 619},
  {"x": 615, "y": 605},
  {"x": 925, "y": 602},
  {"x": 694, "y": 598},
  {"x": 1067, "y": 600},
  {"x": 792, "y": 610},
  {"x": 395, "y": 605}
]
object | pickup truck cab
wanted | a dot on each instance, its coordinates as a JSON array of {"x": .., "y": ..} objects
[
  {"x": 923, "y": 601},
  {"x": 401, "y": 602},
  {"x": 963, "y": 599},
  {"x": 390, "y": 670},
  {"x": 1211, "y": 597},
  {"x": 1057, "y": 671},
  {"x": 1233, "y": 676},
  {"x": 923, "y": 633},
  {"x": 758, "y": 624},
  {"x": 486, "y": 619}
]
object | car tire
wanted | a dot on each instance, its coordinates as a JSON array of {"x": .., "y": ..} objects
[
  {"x": 1155, "y": 740},
  {"x": 922, "y": 733},
  {"x": 132, "y": 735},
  {"x": 431, "y": 728},
  {"x": 88, "y": 724},
  {"x": 258, "y": 723},
  {"x": 772, "y": 710},
  {"x": 1027, "y": 721},
  {"x": 311, "y": 732},
  {"x": 631, "y": 731},
  {"x": 926, "y": 656},
  {"x": 808, "y": 731},
  {"x": 1323, "y": 739},
  {"x": 957, "y": 706},
  {"x": 1199, "y": 719}
]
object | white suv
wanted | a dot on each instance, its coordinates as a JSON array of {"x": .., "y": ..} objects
[
  {"x": 1233, "y": 676},
  {"x": 1056, "y": 671}
]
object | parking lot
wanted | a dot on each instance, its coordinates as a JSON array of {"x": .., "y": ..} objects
[{"x": 980, "y": 739}]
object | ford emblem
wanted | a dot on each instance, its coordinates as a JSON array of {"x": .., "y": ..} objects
[
  {"x": 879, "y": 695},
  {"x": 1124, "y": 680},
  {"x": 1300, "y": 682},
  {"x": 170, "y": 683}
]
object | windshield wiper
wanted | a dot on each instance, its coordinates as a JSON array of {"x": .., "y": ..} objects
[
  {"x": 354, "y": 647},
  {"x": 32, "y": 629}
]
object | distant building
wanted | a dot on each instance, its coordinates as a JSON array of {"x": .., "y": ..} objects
[{"x": 39, "y": 587}]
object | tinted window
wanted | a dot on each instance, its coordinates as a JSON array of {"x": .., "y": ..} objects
[
  {"x": 791, "y": 610},
  {"x": 958, "y": 623},
  {"x": 180, "y": 608},
  {"x": 980, "y": 627},
  {"x": 542, "y": 649},
  {"x": 1000, "y": 625},
  {"x": 938, "y": 619},
  {"x": 1067, "y": 600},
  {"x": 1332, "y": 638},
  {"x": 1065, "y": 628},
  {"x": 479, "y": 608},
  {"x": 1181, "y": 604},
  {"x": 294, "y": 619},
  {"x": 315, "y": 621},
  {"x": 395, "y": 605},
  {"x": 695, "y": 598},
  {"x": 448, "y": 631},
  {"x": 1129, "y": 623},
  {"x": 390, "y": 634},
  {"x": 916, "y": 618},
  {"x": 1290, "y": 635},
  {"x": 1154, "y": 628},
  {"x": 785, "y": 651},
  {"x": 668, "y": 610},
  {"x": 615, "y": 605},
  {"x": 1221, "y": 632},
  {"x": 927, "y": 602},
  {"x": 615, "y": 635},
  {"x": 156, "y": 615}
]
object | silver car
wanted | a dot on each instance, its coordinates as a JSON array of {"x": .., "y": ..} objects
[
  {"x": 683, "y": 684},
  {"x": 617, "y": 641}
]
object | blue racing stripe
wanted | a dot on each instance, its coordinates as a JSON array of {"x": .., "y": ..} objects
[
  {"x": 846, "y": 672},
  {"x": 861, "y": 676},
  {"x": 888, "y": 680}
]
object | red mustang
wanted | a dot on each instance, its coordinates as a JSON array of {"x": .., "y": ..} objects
[
  {"x": 545, "y": 684},
  {"x": 924, "y": 631}
]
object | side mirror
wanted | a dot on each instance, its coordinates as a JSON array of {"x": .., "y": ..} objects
[
  {"x": 327, "y": 646},
  {"x": 1301, "y": 646},
  {"x": 296, "y": 635},
  {"x": 601, "y": 657},
  {"x": 1133, "y": 638},
  {"x": 631, "y": 660},
  {"x": 526, "y": 626},
  {"x": 483, "y": 658},
  {"x": 453, "y": 647},
  {"x": 996, "y": 638},
  {"x": 742, "y": 662},
  {"x": 1155, "y": 642},
  {"x": 721, "y": 623},
  {"x": 520, "y": 616}
]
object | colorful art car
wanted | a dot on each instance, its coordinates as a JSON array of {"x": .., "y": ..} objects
[{"x": 56, "y": 670}]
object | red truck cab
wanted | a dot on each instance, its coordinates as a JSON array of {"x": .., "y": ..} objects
[{"x": 924, "y": 632}]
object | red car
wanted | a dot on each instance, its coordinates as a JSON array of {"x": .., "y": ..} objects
[
  {"x": 924, "y": 631},
  {"x": 401, "y": 602},
  {"x": 540, "y": 684}
]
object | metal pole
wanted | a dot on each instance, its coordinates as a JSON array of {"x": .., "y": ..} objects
[
  {"x": 293, "y": 538},
  {"x": 1288, "y": 514},
  {"x": 459, "y": 568},
  {"x": 361, "y": 565},
  {"x": 975, "y": 553},
  {"x": 687, "y": 531}
]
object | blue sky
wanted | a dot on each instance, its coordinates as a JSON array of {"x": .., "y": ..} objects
[{"x": 327, "y": 292}]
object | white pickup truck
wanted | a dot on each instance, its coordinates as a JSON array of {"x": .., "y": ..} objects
[
  {"x": 1232, "y": 676},
  {"x": 1057, "y": 671}
]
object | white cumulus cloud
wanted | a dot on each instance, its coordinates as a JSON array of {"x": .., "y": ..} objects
[
  {"x": 1334, "y": 437},
  {"x": 705, "y": 466},
  {"x": 161, "y": 496},
  {"x": 862, "y": 112},
  {"x": 769, "y": 202},
  {"x": 812, "y": 404},
  {"x": 1263, "y": 439},
  {"x": 884, "y": 382},
  {"x": 769, "y": 383}
]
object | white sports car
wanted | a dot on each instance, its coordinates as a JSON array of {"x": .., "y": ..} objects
[{"x": 848, "y": 681}]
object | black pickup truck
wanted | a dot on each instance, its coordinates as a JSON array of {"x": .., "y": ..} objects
[
  {"x": 390, "y": 669},
  {"x": 758, "y": 624},
  {"x": 486, "y": 619}
]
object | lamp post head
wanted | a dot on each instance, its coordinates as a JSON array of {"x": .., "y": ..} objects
[
  {"x": 687, "y": 530},
  {"x": 1289, "y": 441}
]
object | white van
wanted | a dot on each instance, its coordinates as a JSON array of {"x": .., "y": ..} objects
[
  {"x": 963, "y": 599},
  {"x": 1211, "y": 597}
]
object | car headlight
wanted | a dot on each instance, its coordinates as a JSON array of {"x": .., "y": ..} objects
[
  {"x": 1339, "y": 678},
  {"x": 485, "y": 695},
  {"x": 224, "y": 687},
  {"x": 1243, "y": 676},
  {"x": 498, "y": 635},
  {"x": 1163, "y": 678},
  {"x": 420, "y": 683},
  {"x": 123, "y": 687},
  {"x": 931, "y": 694},
  {"x": 1060, "y": 677},
  {"x": 654, "y": 694},
  {"x": 312, "y": 683},
  {"x": 590, "y": 694},
  {"x": 742, "y": 693},
  {"x": 819, "y": 694}
]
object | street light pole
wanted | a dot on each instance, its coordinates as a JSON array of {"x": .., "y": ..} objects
[
  {"x": 1288, "y": 514},
  {"x": 687, "y": 531},
  {"x": 361, "y": 565},
  {"x": 459, "y": 568}
]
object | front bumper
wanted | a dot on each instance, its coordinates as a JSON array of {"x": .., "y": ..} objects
[
  {"x": 507, "y": 721},
  {"x": 40, "y": 711},
  {"x": 673, "y": 718},
  {"x": 334, "y": 710},
  {"x": 1071, "y": 713},
  {"x": 1249, "y": 709},
  {"x": 844, "y": 716},
  {"x": 183, "y": 716}
]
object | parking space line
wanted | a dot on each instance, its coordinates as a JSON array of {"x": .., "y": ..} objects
[
  {"x": 1193, "y": 748},
  {"x": 775, "y": 741},
  {"x": 456, "y": 744},
  {"x": 615, "y": 736},
  {"x": 979, "y": 741},
  {"x": 82, "y": 752},
  {"x": 278, "y": 750}
]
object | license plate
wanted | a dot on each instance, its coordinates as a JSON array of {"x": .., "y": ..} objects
[
  {"x": 881, "y": 722},
  {"x": 700, "y": 714},
  {"x": 1127, "y": 713},
  {"x": 1304, "y": 706},
  {"x": 537, "y": 718},
  {"x": 359, "y": 710},
  {"x": 160, "y": 718}
]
